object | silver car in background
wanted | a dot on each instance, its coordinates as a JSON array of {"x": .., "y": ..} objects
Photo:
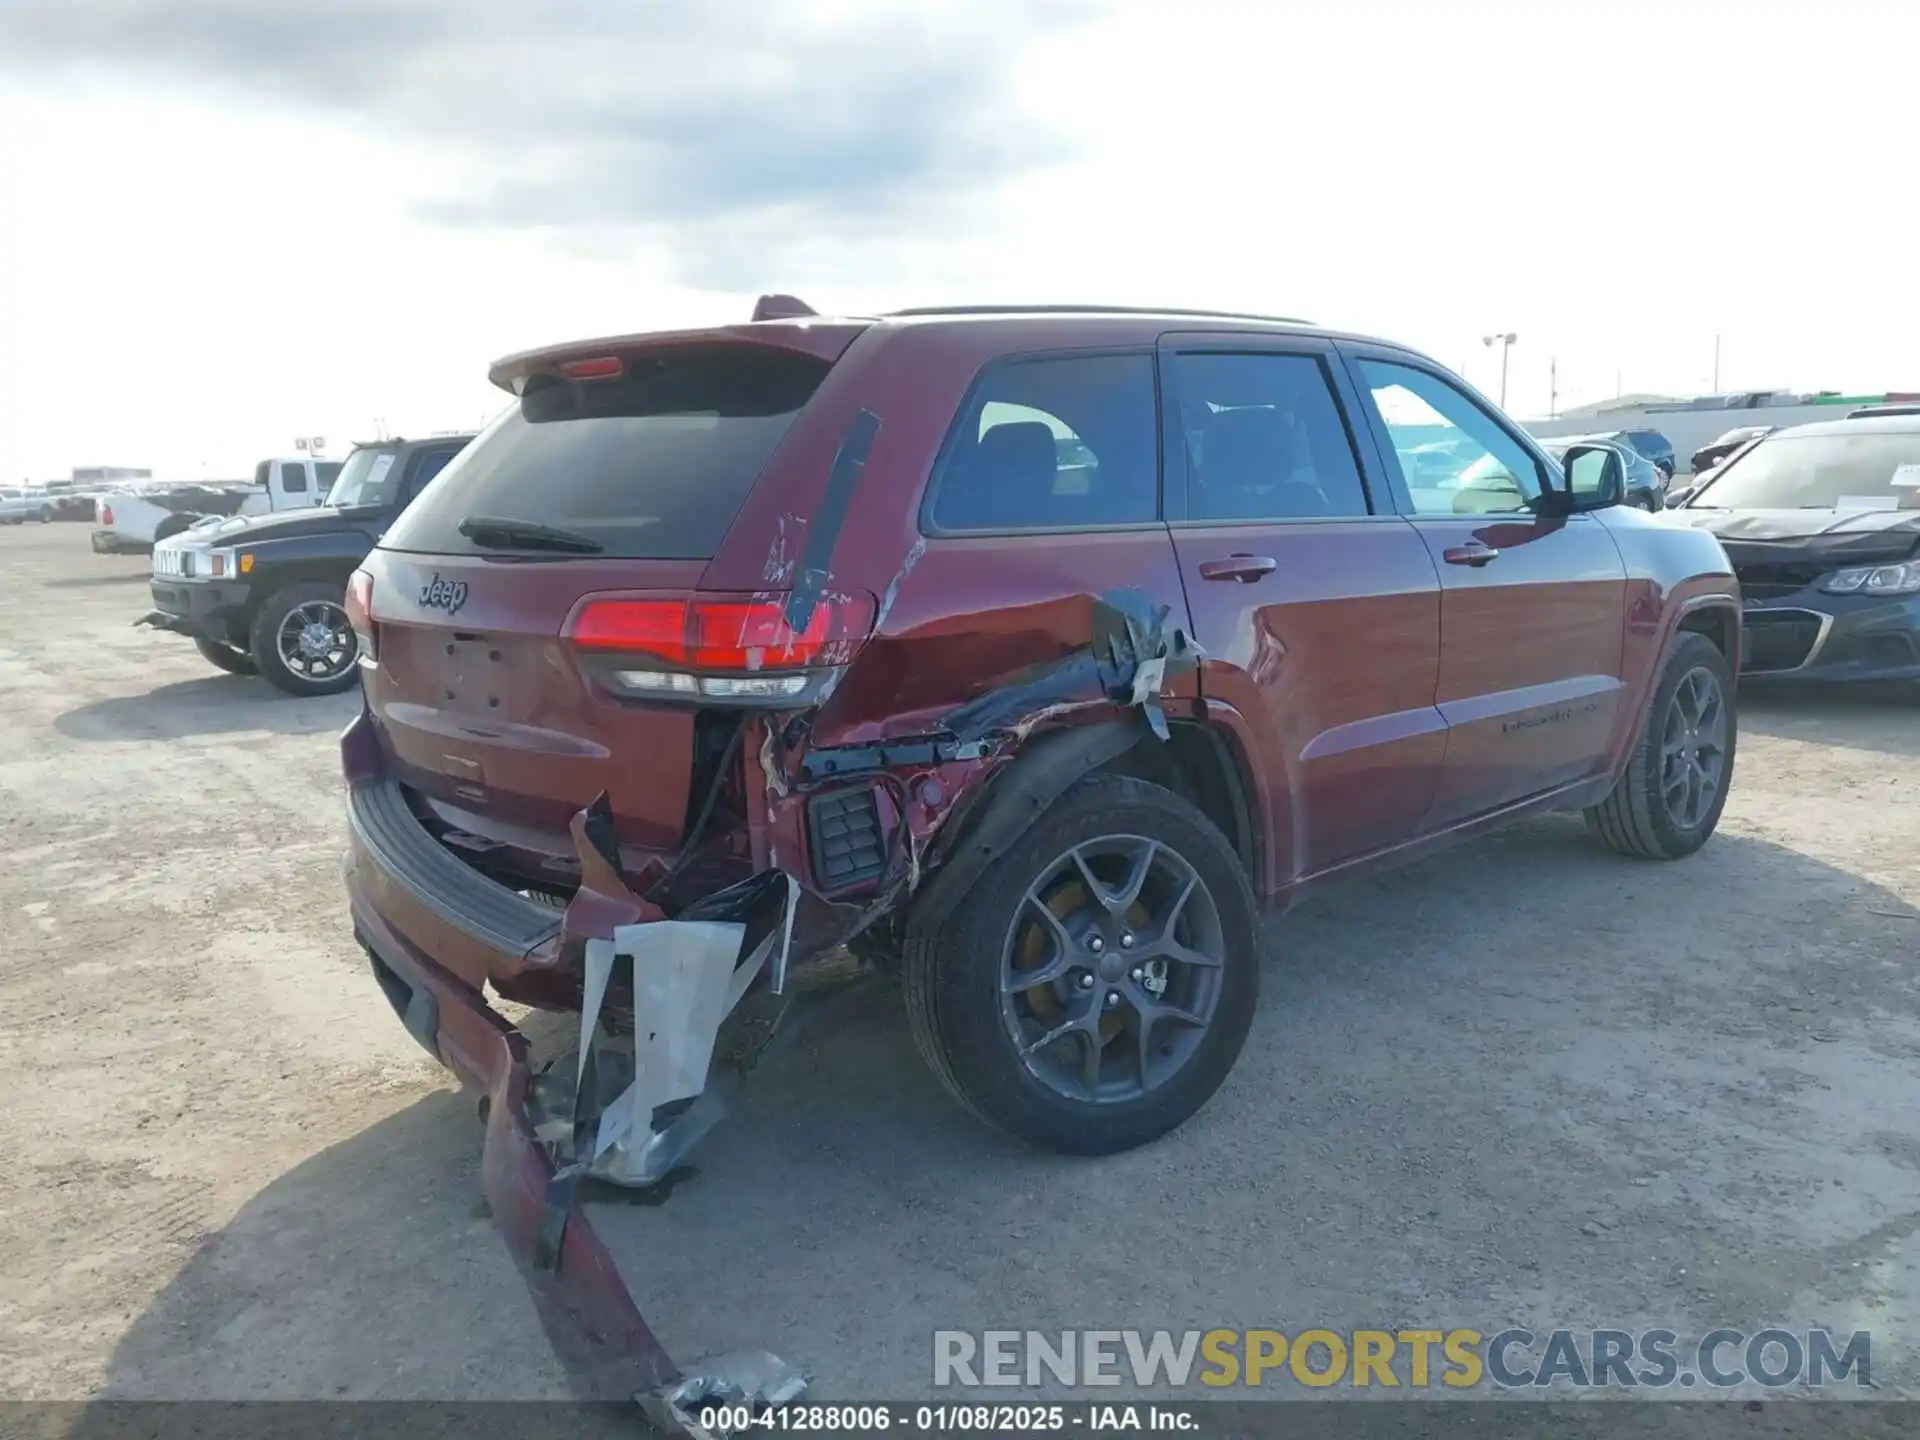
[{"x": 18, "y": 506}]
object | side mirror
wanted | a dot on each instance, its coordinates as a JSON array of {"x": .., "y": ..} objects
[
  {"x": 1595, "y": 478},
  {"x": 1679, "y": 496}
]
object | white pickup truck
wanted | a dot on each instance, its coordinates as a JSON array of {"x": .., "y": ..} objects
[
  {"x": 19, "y": 506},
  {"x": 130, "y": 521}
]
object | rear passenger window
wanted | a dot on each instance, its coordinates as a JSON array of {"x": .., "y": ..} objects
[
  {"x": 1264, "y": 439},
  {"x": 1054, "y": 445},
  {"x": 293, "y": 479}
]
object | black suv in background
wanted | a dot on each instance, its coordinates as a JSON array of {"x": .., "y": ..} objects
[
  {"x": 262, "y": 594},
  {"x": 1650, "y": 443}
]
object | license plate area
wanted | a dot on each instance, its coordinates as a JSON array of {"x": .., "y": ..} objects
[{"x": 474, "y": 673}]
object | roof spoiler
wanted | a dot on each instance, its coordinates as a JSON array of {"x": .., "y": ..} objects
[{"x": 781, "y": 307}]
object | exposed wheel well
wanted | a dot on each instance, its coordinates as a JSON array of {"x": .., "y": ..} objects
[
  {"x": 1200, "y": 763},
  {"x": 1717, "y": 623}
]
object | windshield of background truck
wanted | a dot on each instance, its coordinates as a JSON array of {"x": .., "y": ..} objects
[{"x": 367, "y": 479}]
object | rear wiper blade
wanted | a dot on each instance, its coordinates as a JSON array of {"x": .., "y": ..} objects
[{"x": 500, "y": 534}]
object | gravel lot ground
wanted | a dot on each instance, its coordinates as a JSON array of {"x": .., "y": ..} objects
[{"x": 1524, "y": 1083}]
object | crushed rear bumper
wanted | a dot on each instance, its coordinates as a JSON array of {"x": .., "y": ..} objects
[
  {"x": 585, "y": 1307},
  {"x": 409, "y": 900}
]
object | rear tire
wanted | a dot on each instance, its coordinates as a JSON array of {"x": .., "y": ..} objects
[
  {"x": 46, "y": 514},
  {"x": 1092, "y": 1091},
  {"x": 226, "y": 657},
  {"x": 1641, "y": 817},
  {"x": 275, "y": 640}
]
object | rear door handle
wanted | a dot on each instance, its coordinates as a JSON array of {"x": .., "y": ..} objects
[
  {"x": 1474, "y": 553},
  {"x": 1244, "y": 568}
]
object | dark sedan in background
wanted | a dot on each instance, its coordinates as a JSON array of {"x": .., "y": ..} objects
[
  {"x": 1712, "y": 453},
  {"x": 1644, "y": 485},
  {"x": 1822, "y": 523}
]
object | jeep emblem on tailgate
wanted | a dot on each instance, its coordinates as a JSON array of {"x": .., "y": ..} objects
[{"x": 447, "y": 595}]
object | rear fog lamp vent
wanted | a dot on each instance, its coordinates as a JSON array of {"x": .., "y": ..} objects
[{"x": 848, "y": 846}]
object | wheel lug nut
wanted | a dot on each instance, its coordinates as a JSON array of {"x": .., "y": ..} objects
[
  {"x": 1126, "y": 939},
  {"x": 1112, "y": 999},
  {"x": 1096, "y": 944},
  {"x": 1136, "y": 972},
  {"x": 1086, "y": 982}
]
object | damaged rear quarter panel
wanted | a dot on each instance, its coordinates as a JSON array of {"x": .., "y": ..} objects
[{"x": 961, "y": 617}]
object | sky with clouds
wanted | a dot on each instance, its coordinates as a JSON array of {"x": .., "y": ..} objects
[{"x": 224, "y": 223}]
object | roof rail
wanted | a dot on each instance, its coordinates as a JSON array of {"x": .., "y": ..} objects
[
  {"x": 1090, "y": 310},
  {"x": 1867, "y": 412}
]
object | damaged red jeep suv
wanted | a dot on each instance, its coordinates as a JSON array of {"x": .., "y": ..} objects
[{"x": 1029, "y": 652}]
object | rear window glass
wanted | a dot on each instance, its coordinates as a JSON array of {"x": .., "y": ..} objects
[
  {"x": 1054, "y": 445},
  {"x": 652, "y": 465},
  {"x": 293, "y": 479},
  {"x": 326, "y": 471}
]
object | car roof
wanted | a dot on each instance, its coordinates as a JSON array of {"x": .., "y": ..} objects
[
  {"x": 829, "y": 336},
  {"x": 396, "y": 442},
  {"x": 956, "y": 311},
  {"x": 1858, "y": 425}
]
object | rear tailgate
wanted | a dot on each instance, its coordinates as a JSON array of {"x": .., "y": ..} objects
[
  {"x": 486, "y": 710},
  {"x": 622, "y": 473}
]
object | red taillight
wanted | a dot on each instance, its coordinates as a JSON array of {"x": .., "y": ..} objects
[
  {"x": 725, "y": 632},
  {"x": 703, "y": 644},
  {"x": 360, "y": 615},
  {"x": 106, "y": 514},
  {"x": 645, "y": 627},
  {"x": 601, "y": 367}
]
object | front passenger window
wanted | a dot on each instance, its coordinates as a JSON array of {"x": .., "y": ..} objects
[{"x": 1455, "y": 458}]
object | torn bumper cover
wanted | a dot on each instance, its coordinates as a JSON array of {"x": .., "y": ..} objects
[
  {"x": 583, "y": 1304},
  {"x": 543, "y": 1137},
  {"x": 684, "y": 977}
]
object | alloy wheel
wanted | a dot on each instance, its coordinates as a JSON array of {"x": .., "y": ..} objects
[
  {"x": 1111, "y": 971},
  {"x": 1693, "y": 748},
  {"x": 316, "y": 640}
]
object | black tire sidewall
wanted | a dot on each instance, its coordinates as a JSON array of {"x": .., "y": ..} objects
[
  {"x": 225, "y": 657},
  {"x": 1693, "y": 652},
  {"x": 264, "y": 635},
  {"x": 976, "y": 1050}
]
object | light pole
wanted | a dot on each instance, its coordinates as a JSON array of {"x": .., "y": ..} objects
[{"x": 1505, "y": 342}]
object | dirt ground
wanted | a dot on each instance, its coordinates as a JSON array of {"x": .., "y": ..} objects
[{"x": 1525, "y": 1083}]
